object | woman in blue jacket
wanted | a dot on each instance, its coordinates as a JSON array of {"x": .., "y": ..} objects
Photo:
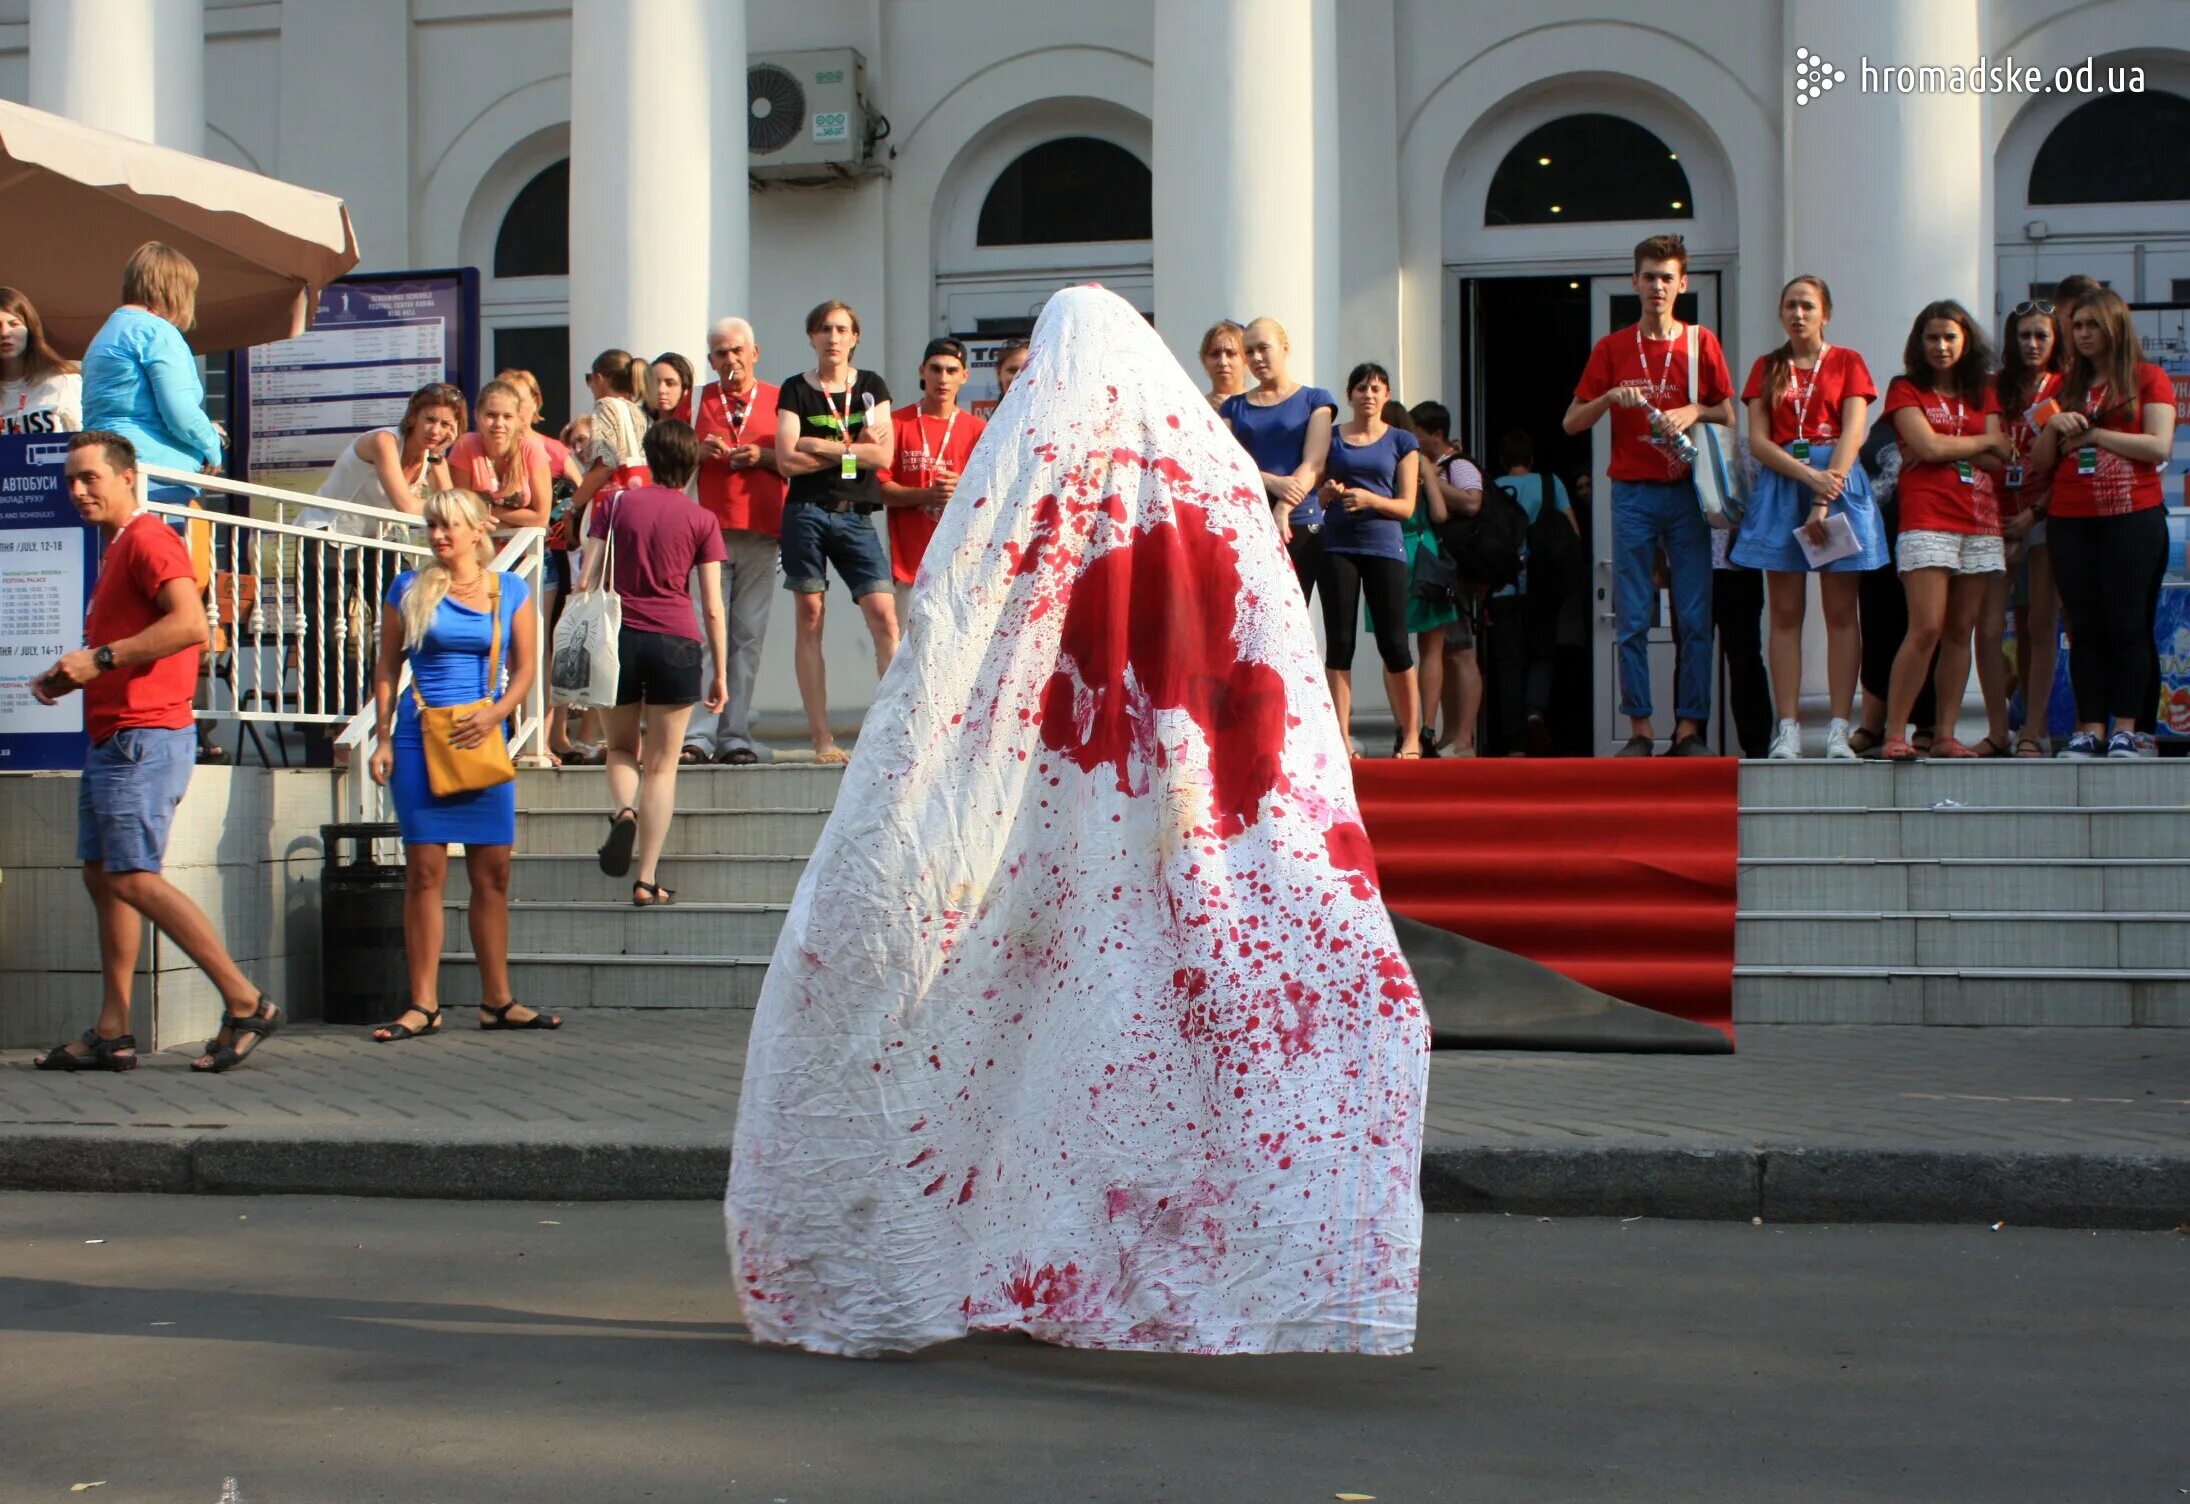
[{"x": 140, "y": 379}]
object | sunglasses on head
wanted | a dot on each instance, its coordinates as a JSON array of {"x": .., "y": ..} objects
[{"x": 2034, "y": 306}]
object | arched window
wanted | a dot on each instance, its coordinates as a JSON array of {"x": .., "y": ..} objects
[
  {"x": 1587, "y": 168},
  {"x": 2118, "y": 149},
  {"x": 1075, "y": 189},
  {"x": 534, "y": 240}
]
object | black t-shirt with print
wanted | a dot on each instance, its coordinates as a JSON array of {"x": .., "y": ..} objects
[{"x": 816, "y": 420}]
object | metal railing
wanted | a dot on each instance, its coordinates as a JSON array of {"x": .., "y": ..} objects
[{"x": 295, "y": 608}]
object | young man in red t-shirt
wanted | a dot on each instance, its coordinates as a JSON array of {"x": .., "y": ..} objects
[
  {"x": 735, "y": 419},
  {"x": 144, "y": 633},
  {"x": 934, "y": 441},
  {"x": 1642, "y": 376}
]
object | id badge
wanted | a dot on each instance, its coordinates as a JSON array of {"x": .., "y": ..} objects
[
  {"x": 1800, "y": 449},
  {"x": 1966, "y": 471},
  {"x": 2013, "y": 477},
  {"x": 847, "y": 467},
  {"x": 2087, "y": 461}
]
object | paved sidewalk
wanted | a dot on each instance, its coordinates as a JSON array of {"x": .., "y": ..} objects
[{"x": 2061, "y": 1127}]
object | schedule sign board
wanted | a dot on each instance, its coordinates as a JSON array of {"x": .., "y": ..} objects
[
  {"x": 48, "y": 558},
  {"x": 373, "y": 341}
]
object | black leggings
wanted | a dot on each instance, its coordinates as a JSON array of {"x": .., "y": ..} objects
[
  {"x": 1882, "y": 606},
  {"x": 1344, "y": 578},
  {"x": 2110, "y": 570},
  {"x": 1306, "y": 552},
  {"x": 1737, "y": 613}
]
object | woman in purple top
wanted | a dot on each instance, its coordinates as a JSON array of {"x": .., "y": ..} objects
[
  {"x": 1286, "y": 429},
  {"x": 1369, "y": 493},
  {"x": 659, "y": 535}
]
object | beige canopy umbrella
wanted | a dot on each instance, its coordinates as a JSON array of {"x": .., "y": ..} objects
[{"x": 76, "y": 201}]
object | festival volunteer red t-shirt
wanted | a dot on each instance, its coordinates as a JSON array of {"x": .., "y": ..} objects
[
  {"x": 2115, "y": 485},
  {"x": 1933, "y": 497},
  {"x": 144, "y": 556},
  {"x": 1812, "y": 398},
  {"x": 922, "y": 444},
  {"x": 1661, "y": 365},
  {"x": 748, "y": 500}
]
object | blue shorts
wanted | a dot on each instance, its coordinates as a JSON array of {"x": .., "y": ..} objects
[
  {"x": 814, "y": 538},
  {"x": 132, "y": 782}
]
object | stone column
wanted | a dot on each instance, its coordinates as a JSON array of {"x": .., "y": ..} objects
[
  {"x": 134, "y": 67},
  {"x": 646, "y": 80},
  {"x": 1243, "y": 100},
  {"x": 1889, "y": 194}
]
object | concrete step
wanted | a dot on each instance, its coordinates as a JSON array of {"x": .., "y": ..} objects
[
  {"x": 693, "y": 832},
  {"x": 2033, "y": 834},
  {"x": 1996, "y": 783},
  {"x": 564, "y": 982},
  {"x": 1964, "y": 884},
  {"x": 762, "y": 786},
  {"x": 2023, "y": 996},
  {"x": 615, "y": 928},
  {"x": 696, "y": 879},
  {"x": 1921, "y": 940}
]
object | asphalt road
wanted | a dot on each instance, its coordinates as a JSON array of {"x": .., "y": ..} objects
[{"x": 316, "y": 1349}]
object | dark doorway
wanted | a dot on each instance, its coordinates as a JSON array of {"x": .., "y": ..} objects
[
  {"x": 546, "y": 353},
  {"x": 1527, "y": 340}
]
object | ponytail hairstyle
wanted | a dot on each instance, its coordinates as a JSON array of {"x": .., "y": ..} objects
[
  {"x": 1780, "y": 364},
  {"x": 1971, "y": 374},
  {"x": 2117, "y": 368},
  {"x": 40, "y": 359},
  {"x": 511, "y": 461},
  {"x": 620, "y": 370},
  {"x": 2015, "y": 378},
  {"x": 430, "y": 585}
]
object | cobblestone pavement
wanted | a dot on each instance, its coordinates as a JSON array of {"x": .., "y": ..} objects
[
  {"x": 619, "y": 1071},
  {"x": 1906, "y": 1123}
]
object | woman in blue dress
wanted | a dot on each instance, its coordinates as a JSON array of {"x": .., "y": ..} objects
[{"x": 448, "y": 618}]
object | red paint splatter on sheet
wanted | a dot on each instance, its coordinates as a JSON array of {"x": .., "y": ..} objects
[
  {"x": 1048, "y": 1291},
  {"x": 1149, "y": 627},
  {"x": 1347, "y": 844}
]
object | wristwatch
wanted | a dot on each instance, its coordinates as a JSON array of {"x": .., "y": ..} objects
[{"x": 104, "y": 657}]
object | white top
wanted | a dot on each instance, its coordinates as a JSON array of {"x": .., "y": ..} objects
[
  {"x": 51, "y": 404},
  {"x": 354, "y": 479}
]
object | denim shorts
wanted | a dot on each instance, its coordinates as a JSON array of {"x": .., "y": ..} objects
[
  {"x": 655, "y": 668},
  {"x": 126, "y": 801},
  {"x": 814, "y": 538}
]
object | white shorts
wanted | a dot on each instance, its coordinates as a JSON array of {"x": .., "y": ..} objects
[{"x": 1957, "y": 553}]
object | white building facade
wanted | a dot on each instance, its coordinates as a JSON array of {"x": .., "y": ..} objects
[{"x": 1449, "y": 187}]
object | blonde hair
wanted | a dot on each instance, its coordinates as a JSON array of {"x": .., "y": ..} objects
[
  {"x": 1265, "y": 322},
  {"x": 511, "y": 462},
  {"x": 430, "y": 586},
  {"x": 164, "y": 280},
  {"x": 1223, "y": 329},
  {"x": 526, "y": 383}
]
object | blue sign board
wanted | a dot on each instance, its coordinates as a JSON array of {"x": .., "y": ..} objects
[{"x": 48, "y": 559}]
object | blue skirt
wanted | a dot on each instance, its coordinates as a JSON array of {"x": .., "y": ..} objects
[
  {"x": 485, "y": 817},
  {"x": 1778, "y": 504}
]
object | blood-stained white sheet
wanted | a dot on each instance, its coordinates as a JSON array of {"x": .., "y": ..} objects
[{"x": 1087, "y": 1020}]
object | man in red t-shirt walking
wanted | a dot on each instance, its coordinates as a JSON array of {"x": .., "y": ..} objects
[
  {"x": 1643, "y": 376},
  {"x": 735, "y": 419},
  {"x": 934, "y": 441},
  {"x": 144, "y": 632}
]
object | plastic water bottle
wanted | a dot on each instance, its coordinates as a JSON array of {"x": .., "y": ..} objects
[{"x": 1683, "y": 447}]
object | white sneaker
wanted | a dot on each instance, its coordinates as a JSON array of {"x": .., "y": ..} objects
[
  {"x": 1836, "y": 742},
  {"x": 1787, "y": 742}
]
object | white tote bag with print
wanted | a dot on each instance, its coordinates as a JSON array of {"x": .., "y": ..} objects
[{"x": 585, "y": 669}]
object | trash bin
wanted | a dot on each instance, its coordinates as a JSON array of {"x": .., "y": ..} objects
[{"x": 363, "y": 970}]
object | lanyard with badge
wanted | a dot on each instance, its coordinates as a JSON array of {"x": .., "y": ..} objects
[
  {"x": 848, "y": 466},
  {"x": 1642, "y": 356},
  {"x": 2087, "y": 458},
  {"x": 1800, "y": 448},
  {"x": 1964, "y": 471},
  {"x": 734, "y": 412},
  {"x": 941, "y": 453}
]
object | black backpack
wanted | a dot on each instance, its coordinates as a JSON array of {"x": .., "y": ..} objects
[
  {"x": 1489, "y": 548},
  {"x": 1557, "y": 558}
]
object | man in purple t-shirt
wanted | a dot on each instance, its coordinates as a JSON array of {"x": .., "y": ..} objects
[{"x": 658, "y": 536}]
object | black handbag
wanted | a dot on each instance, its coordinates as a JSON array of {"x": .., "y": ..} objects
[{"x": 1435, "y": 579}]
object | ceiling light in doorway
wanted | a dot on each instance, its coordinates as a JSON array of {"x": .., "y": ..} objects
[
  {"x": 1543, "y": 161},
  {"x": 1573, "y": 285},
  {"x": 1555, "y": 208},
  {"x": 1672, "y": 156},
  {"x": 1676, "y": 203}
]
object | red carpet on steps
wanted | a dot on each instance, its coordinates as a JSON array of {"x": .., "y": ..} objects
[{"x": 1616, "y": 872}]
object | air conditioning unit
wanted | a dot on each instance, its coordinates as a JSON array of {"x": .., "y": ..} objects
[{"x": 807, "y": 118}]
